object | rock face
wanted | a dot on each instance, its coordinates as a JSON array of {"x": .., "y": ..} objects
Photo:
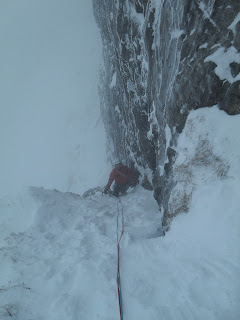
[{"x": 163, "y": 59}]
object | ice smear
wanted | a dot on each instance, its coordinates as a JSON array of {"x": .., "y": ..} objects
[
  {"x": 152, "y": 119},
  {"x": 207, "y": 11},
  {"x": 168, "y": 134},
  {"x": 203, "y": 46},
  {"x": 176, "y": 34},
  {"x": 234, "y": 23},
  {"x": 113, "y": 83}
]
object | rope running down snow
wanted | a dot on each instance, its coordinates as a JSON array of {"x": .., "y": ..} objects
[{"x": 118, "y": 266}]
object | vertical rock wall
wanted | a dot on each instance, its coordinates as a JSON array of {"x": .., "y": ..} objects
[{"x": 161, "y": 60}]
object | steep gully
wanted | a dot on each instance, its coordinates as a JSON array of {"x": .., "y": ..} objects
[{"x": 157, "y": 68}]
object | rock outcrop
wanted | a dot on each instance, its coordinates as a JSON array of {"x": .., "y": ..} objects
[{"x": 163, "y": 59}]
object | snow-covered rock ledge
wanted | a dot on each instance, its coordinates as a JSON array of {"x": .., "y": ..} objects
[{"x": 207, "y": 151}]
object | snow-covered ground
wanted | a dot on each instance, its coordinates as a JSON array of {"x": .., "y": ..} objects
[
  {"x": 59, "y": 250},
  {"x": 61, "y": 264}
]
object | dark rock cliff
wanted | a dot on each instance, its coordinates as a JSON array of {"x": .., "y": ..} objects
[{"x": 161, "y": 60}]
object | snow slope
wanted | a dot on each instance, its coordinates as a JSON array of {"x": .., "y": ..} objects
[
  {"x": 63, "y": 266},
  {"x": 193, "y": 272},
  {"x": 59, "y": 251},
  {"x": 68, "y": 254}
]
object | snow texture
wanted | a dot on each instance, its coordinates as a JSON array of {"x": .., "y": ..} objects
[
  {"x": 223, "y": 57},
  {"x": 234, "y": 23},
  {"x": 59, "y": 251}
]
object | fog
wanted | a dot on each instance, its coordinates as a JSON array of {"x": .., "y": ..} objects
[{"x": 49, "y": 108}]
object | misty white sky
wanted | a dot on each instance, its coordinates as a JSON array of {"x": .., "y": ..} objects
[{"x": 50, "y": 58}]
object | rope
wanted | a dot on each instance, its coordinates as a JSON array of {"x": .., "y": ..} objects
[{"x": 118, "y": 265}]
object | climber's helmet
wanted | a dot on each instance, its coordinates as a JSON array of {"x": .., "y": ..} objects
[{"x": 117, "y": 163}]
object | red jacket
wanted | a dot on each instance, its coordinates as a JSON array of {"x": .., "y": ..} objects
[{"x": 121, "y": 175}]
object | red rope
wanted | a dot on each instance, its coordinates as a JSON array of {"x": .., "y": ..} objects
[
  {"x": 118, "y": 285},
  {"x": 118, "y": 269}
]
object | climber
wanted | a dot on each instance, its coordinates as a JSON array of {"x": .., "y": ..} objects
[{"x": 123, "y": 177}]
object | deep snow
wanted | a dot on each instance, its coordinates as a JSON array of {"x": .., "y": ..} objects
[
  {"x": 68, "y": 254},
  {"x": 59, "y": 250}
]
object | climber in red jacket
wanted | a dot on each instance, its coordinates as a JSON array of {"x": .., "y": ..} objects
[{"x": 123, "y": 177}]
